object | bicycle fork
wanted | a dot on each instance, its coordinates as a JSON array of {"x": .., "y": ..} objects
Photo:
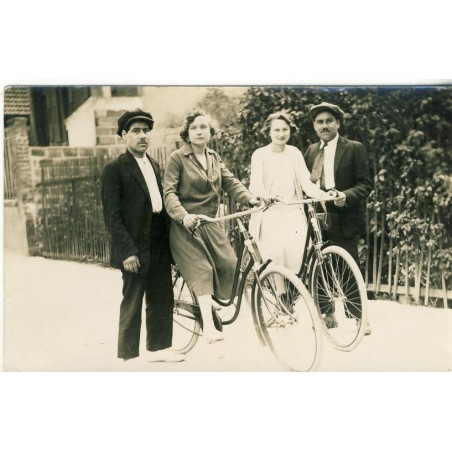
[{"x": 318, "y": 245}]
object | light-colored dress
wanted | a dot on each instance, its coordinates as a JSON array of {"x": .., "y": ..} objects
[{"x": 281, "y": 230}]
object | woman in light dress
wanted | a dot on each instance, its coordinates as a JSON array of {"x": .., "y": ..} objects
[{"x": 279, "y": 170}]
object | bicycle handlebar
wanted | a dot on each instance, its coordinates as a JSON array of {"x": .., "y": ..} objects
[
  {"x": 303, "y": 201},
  {"x": 259, "y": 208},
  {"x": 231, "y": 216}
]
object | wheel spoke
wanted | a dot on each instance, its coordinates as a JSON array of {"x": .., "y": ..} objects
[
  {"x": 288, "y": 319},
  {"x": 186, "y": 327},
  {"x": 337, "y": 286}
]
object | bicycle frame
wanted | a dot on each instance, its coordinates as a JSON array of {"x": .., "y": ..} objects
[
  {"x": 268, "y": 297},
  {"x": 256, "y": 265},
  {"x": 314, "y": 234}
]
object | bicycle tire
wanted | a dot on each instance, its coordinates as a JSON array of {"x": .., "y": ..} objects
[
  {"x": 288, "y": 319},
  {"x": 338, "y": 288},
  {"x": 186, "y": 320}
]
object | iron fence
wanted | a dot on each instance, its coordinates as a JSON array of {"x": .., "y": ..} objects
[
  {"x": 70, "y": 222},
  {"x": 71, "y": 226}
]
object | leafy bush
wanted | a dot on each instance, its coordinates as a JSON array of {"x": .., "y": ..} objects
[{"x": 408, "y": 134}]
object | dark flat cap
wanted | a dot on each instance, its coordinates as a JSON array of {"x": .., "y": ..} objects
[
  {"x": 326, "y": 106},
  {"x": 136, "y": 115}
]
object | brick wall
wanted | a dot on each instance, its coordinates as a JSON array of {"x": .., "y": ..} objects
[
  {"x": 40, "y": 154},
  {"x": 106, "y": 127}
]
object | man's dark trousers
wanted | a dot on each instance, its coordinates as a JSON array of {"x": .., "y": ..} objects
[{"x": 156, "y": 286}]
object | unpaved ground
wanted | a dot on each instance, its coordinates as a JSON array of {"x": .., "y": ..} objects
[{"x": 62, "y": 316}]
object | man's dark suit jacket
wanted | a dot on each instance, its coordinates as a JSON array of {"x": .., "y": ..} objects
[
  {"x": 128, "y": 210},
  {"x": 351, "y": 176}
]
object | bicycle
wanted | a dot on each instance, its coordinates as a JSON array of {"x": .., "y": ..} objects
[
  {"x": 284, "y": 314},
  {"x": 335, "y": 283}
]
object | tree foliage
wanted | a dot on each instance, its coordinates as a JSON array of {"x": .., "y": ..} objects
[
  {"x": 407, "y": 132},
  {"x": 220, "y": 106}
]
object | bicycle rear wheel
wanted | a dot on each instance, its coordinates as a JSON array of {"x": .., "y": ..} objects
[
  {"x": 338, "y": 288},
  {"x": 288, "y": 319},
  {"x": 186, "y": 325}
]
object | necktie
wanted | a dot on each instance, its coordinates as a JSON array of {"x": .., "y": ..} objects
[{"x": 317, "y": 169}]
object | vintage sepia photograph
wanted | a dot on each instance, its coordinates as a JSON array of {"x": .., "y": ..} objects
[{"x": 227, "y": 228}]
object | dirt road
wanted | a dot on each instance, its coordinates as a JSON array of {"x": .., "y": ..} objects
[{"x": 62, "y": 316}]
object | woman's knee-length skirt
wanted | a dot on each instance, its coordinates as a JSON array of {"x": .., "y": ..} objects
[
  {"x": 282, "y": 237},
  {"x": 205, "y": 260}
]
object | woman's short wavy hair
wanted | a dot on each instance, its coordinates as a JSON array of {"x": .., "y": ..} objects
[
  {"x": 285, "y": 116},
  {"x": 190, "y": 119}
]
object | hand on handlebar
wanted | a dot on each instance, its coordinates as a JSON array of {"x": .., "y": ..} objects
[
  {"x": 328, "y": 195},
  {"x": 270, "y": 199},
  {"x": 261, "y": 200},
  {"x": 339, "y": 197},
  {"x": 255, "y": 201},
  {"x": 191, "y": 221}
]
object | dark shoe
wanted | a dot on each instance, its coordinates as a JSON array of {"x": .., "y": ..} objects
[{"x": 330, "y": 321}]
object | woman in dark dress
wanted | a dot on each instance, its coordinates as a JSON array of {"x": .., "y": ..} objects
[{"x": 194, "y": 177}]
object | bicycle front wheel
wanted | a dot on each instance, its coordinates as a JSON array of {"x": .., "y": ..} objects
[
  {"x": 337, "y": 286},
  {"x": 186, "y": 315},
  {"x": 288, "y": 319}
]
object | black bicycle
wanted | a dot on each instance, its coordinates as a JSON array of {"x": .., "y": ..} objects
[
  {"x": 335, "y": 283},
  {"x": 285, "y": 316}
]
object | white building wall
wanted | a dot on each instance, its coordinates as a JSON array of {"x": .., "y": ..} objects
[{"x": 81, "y": 125}]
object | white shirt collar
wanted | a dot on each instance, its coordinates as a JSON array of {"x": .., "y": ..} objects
[
  {"x": 141, "y": 159},
  {"x": 332, "y": 143}
]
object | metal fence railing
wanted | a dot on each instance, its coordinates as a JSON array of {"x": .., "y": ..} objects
[
  {"x": 70, "y": 223},
  {"x": 70, "y": 226}
]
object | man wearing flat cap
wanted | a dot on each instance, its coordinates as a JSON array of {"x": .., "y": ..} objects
[
  {"x": 139, "y": 227},
  {"x": 339, "y": 163}
]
